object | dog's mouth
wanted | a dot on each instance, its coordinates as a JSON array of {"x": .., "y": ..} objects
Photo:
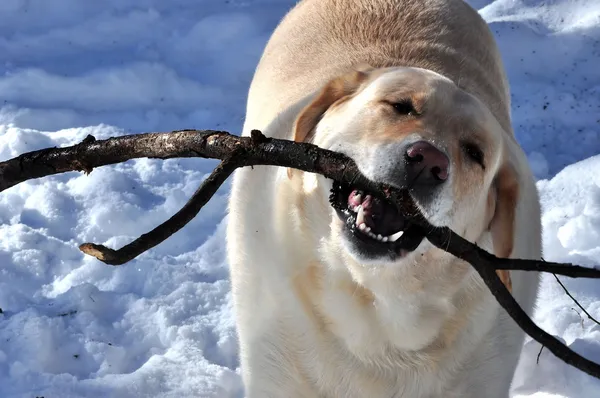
[{"x": 373, "y": 225}]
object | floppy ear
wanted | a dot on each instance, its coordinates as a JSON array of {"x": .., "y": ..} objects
[
  {"x": 502, "y": 225},
  {"x": 333, "y": 92}
]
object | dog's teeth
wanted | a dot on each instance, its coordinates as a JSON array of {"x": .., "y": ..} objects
[
  {"x": 362, "y": 226},
  {"x": 384, "y": 239},
  {"x": 395, "y": 236},
  {"x": 379, "y": 236},
  {"x": 360, "y": 217},
  {"x": 358, "y": 198},
  {"x": 368, "y": 229}
]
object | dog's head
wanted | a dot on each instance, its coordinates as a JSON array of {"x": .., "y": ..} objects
[{"x": 413, "y": 129}]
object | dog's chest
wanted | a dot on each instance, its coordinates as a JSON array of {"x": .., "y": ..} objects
[{"x": 353, "y": 345}]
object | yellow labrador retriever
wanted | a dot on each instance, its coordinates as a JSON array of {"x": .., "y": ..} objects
[{"x": 336, "y": 294}]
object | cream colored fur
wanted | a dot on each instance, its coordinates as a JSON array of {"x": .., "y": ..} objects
[{"x": 314, "y": 318}]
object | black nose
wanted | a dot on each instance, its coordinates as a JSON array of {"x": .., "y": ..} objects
[{"x": 425, "y": 164}]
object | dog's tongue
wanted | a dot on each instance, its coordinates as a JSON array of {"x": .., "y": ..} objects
[{"x": 381, "y": 217}]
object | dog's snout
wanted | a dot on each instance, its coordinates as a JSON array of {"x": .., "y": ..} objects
[{"x": 425, "y": 164}]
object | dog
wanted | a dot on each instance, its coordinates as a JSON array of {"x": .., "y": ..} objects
[{"x": 337, "y": 294}]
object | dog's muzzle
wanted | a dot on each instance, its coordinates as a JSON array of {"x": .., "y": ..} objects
[{"x": 372, "y": 225}]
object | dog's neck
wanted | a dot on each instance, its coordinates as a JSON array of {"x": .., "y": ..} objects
[
  {"x": 376, "y": 329},
  {"x": 373, "y": 311}
]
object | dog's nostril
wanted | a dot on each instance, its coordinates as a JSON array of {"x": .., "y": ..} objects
[
  {"x": 439, "y": 174},
  {"x": 416, "y": 158}
]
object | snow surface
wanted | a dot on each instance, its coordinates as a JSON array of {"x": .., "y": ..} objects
[{"x": 162, "y": 325}]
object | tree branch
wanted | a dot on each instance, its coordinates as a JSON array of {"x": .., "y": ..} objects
[
  {"x": 253, "y": 151},
  {"x": 148, "y": 240},
  {"x": 259, "y": 150},
  {"x": 590, "y": 317}
]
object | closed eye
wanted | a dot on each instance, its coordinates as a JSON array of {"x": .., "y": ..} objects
[
  {"x": 473, "y": 152},
  {"x": 405, "y": 107}
]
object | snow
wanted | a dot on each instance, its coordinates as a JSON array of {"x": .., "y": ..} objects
[
  {"x": 162, "y": 325},
  {"x": 571, "y": 223}
]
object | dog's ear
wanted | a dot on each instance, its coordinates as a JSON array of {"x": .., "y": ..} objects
[
  {"x": 502, "y": 226},
  {"x": 334, "y": 91}
]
